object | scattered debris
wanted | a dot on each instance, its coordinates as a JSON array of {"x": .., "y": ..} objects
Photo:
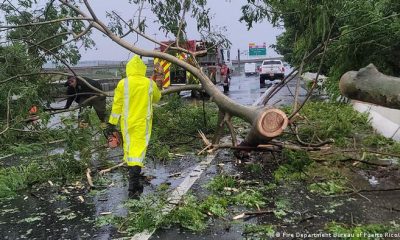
[
  {"x": 105, "y": 213},
  {"x": 175, "y": 174},
  {"x": 373, "y": 181},
  {"x": 89, "y": 178},
  {"x": 104, "y": 171},
  {"x": 81, "y": 199},
  {"x": 260, "y": 212},
  {"x": 231, "y": 189}
]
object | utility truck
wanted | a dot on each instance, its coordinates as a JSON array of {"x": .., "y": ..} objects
[{"x": 210, "y": 62}]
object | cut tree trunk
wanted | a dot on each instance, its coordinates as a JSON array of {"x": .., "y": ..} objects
[
  {"x": 370, "y": 85},
  {"x": 269, "y": 124}
]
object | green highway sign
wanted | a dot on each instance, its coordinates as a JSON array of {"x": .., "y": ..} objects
[{"x": 257, "y": 50}]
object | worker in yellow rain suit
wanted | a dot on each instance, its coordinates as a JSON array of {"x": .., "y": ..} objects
[{"x": 133, "y": 99}]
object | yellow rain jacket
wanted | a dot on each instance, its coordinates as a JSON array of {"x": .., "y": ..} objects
[{"x": 133, "y": 100}]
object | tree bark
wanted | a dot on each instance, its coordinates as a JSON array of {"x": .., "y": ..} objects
[
  {"x": 177, "y": 89},
  {"x": 370, "y": 85}
]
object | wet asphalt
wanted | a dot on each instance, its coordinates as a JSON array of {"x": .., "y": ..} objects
[{"x": 246, "y": 90}]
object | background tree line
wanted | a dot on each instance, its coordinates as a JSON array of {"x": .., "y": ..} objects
[{"x": 360, "y": 32}]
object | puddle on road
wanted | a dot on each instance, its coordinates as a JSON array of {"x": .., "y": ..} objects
[{"x": 55, "y": 212}]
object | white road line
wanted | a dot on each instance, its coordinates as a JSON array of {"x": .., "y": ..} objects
[{"x": 178, "y": 193}]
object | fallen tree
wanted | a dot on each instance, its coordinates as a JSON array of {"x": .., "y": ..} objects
[
  {"x": 267, "y": 122},
  {"x": 370, "y": 85}
]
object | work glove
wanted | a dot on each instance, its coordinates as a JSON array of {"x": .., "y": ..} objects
[{"x": 109, "y": 130}]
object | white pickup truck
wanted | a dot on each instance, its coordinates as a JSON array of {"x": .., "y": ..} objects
[{"x": 271, "y": 69}]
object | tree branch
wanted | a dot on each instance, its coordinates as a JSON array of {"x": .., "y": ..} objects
[
  {"x": 67, "y": 65},
  {"x": 219, "y": 127},
  {"x": 153, "y": 40},
  {"x": 181, "y": 23},
  {"x": 6, "y": 27},
  {"x": 137, "y": 31},
  {"x": 296, "y": 96},
  {"x": 8, "y": 114},
  {"x": 228, "y": 122},
  {"x": 280, "y": 85},
  {"x": 32, "y": 74},
  {"x": 289, "y": 77},
  {"x": 75, "y": 37},
  {"x": 54, "y": 36},
  {"x": 139, "y": 16},
  {"x": 175, "y": 89},
  {"x": 365, "y": 25},
  {"x": 296, "y": 132},
  {"x": 316, "y": 78},
  {"x": 74, "y": 108}
]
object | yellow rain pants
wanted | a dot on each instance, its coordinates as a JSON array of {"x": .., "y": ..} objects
[{"x": 133, "y": 99}]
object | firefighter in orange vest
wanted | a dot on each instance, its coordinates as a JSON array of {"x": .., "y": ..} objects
[
  {"x": 158, "y": 75},
  {"x": 133, "y": 106},
  {"x": 225, "y": 77}
]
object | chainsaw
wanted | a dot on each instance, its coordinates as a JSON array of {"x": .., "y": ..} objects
[
  {"x": 114, "y": 139},
  {"x": 113, "y": 136}
]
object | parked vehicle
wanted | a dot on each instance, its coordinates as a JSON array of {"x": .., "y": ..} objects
[
  {"x": 271, "y": 70},
  {"x": 250, "y": 69}
]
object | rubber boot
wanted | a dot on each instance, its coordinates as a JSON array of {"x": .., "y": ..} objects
[{"x": 135, "y": 187}]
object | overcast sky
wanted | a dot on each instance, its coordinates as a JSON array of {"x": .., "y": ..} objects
[{"x": 225, "y": 13}]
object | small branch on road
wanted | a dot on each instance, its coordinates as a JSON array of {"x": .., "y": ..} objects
[
  {"x": 296, "y": 94},
  {"x": 291, "y": 75},
  {"x": 107, "y": 170},
  {"x": 246, "y": 214},
  {"x": 229, "y": 124},
  {"x": 366, "y": 191},
  {"x": 350, "y": 159},
  {"x": 208, "y": 144},
  {"x": 280, "y": 85},
  {"x": 296, "y": 132},
  {"x": 219, "y": 128},
  {"x": 89, "y": 178}
]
